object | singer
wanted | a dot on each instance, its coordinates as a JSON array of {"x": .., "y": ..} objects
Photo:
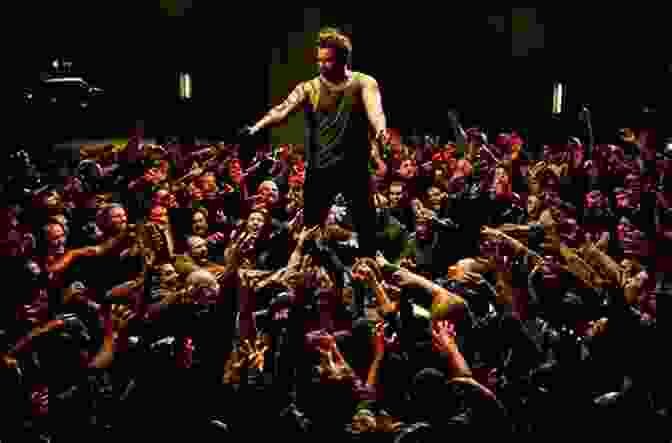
[{"x": 343, "y": 110}]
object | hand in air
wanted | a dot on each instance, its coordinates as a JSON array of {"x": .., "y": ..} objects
[
  {"x": 247, "y": 131},
  {"x": 381, "y": 261},
  {"x": 443, "y": 336},
  {"x": 307, "y": 233},
  {"x": 217, "y": 237}
]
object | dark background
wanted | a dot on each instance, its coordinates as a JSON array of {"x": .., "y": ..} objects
[{"x": 495, "y": 66}]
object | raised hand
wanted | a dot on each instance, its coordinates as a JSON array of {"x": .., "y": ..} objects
[
  {"x": 247, "y": 131},
  {"x": 308, "y": 233},
  {"x": 443, "y": 336},
  {"x": 217, "y": 237},
  {"x": 381, "y": 260}
]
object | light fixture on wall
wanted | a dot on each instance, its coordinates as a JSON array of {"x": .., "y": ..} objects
[
  {"x": 559, "y": 92},
  {"x": 185, "y": 86}
]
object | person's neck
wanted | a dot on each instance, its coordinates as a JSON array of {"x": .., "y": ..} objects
[{"x": 338, "y": 77}]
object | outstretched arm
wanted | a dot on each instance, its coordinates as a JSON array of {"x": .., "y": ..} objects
[{"x": 280, "y": 113}]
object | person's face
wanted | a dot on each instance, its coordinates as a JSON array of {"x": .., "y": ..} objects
[
  {"x": 327, "y": 63},
  {"x": 199, "y": 251},
  {"x": 295, "y": 197},
  {"x": 155, "y": 175},
  {"x": 265, "y": 195},
  {"x": 299, "y": 168},
  {"x": 199, "y": 225},
  {"x": 593, "y": 199},
  {"x": 628, "y": 135},
  {"x": 533, "y": 205},
  {"x": 423, "y": 228},
  {"x": 439, "y": 173},
  {"x": 488, "y": 248},
  {"x": 648, "y": 304},
  {"x": 501, "y": 181},
  {"x": 515, "y": 151},
  {"x": 408, "y": 262},
  {"x": 74, "y": 292},
  {"x": 629, "y": 237},
  {"x": 53, "y": 200},
  {"x": 628, "y": 266},
  {"x": 456, "y": 271},
  {"x": 168, "y": 276},
  {"x": 395, "y": 195},
  {"x": 615, "y": 155},
  {"x": 551, "y": 270},
  {"x": 596, "y": 328},
  {"x": 434, "y": 195},
  {"x": 255, "y": 222},
  {"x": 570, "y": 231},
  {"x": 407, "y": 169},
  {"x": 577, "y": 151},
  {"x": 396, "y": 151},
  {"x": 235, "y": 171},
  {"x": 208, "y": 184},
  {"x": 195, "y": 192},
  {"x": 633, "y": 183},
  {"x": 118, "y": 219},
  {"x": 9, "y": 218},
  {"x": 56, "y": 239},
  {"x": 164, "y": 198},
  {"x": 158, "y": 215},
  {"x": 547, "y": 152},
  {"x": 555, "y": 154},
  {"x": 622, "y": 199},
  {"x": 207, "y": 281}
]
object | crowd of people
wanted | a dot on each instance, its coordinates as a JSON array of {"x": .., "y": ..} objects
[{"x": 509, "y": 295}]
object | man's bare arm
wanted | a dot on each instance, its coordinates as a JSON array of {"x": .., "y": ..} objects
[
  {"x": 373, "y": 104},
  {"x": 280, "y": 113}
]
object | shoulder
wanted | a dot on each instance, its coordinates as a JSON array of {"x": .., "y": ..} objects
[
  {"x": 364, "y": 79},
  {"x": 310, "y": 85}
]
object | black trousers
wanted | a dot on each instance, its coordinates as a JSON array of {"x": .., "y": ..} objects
[{"x": 352, "y": 180}]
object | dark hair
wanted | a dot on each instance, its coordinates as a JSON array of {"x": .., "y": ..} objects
[{"x": 335, "y": 39}]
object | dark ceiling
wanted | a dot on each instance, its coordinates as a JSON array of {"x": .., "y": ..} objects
[{"x": 496, "y": 60}]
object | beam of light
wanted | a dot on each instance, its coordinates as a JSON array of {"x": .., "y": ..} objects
[
  {"x": 185, "y": 86},
  {"x": 558, "y": 97}
]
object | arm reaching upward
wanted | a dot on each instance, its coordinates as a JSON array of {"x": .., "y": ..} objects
[
  {"x": 584, "y": 116},
  {"x": 460, "y": 135},
  {"x": 279, "y": 113}
]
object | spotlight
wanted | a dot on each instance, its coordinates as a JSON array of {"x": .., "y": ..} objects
[
  {"x": 559, "y": 92},
  {"x": 185, "y": 86}
]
